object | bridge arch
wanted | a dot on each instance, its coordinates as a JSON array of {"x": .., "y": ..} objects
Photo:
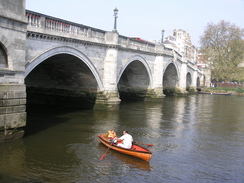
[
  {"x": 143, "y": 62},
  {"x": 62, "y": 76},
  {"x": 188, "y": 81},
  {"x": 64, "y": 50},
  {"x": 198, "y": 84},
  {"x": 134, "y": 79},
  {"x": 170, "y": 78}
]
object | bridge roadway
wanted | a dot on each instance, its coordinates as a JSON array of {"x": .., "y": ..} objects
[{"x": 51, "y": 61}]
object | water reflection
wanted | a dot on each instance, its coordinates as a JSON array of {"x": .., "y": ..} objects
[
  {"x": 125, "y": 160},
  {"x": 197, "y": 138},
  {"x": 12, "y": 165}
]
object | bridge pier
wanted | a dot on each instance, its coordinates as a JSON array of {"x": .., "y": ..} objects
[
  {"x": 107, "y": 101},
  {"x": 154, "y": 94},
  {"x": 12, "y": 111},
  {"x": 157, "y": 91},
  {"x": 181, "y": 87},
  {"x": 109, "y": 98},
  {"x": 13, "y": 27},
  {"x": 180, "y": 91}
]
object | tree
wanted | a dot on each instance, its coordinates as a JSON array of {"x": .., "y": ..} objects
[{"x": 223, "y": 45}]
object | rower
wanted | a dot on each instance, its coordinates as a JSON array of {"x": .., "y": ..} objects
[{"x": 126, "y": 140}]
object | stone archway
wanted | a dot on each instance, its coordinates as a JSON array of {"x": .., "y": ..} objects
[
  {"x": 134, "y": 79},
  {"x": 198, "y": 84},
  {"x": 62, "y": 77},
  {"x": 188, "y": 81},
  {"x": 170, "y": 79},
  {"x": 64, "y": 50}
]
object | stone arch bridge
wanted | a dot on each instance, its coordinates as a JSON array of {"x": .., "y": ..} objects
[
  {"x": 47, "y": 60},
  {"x": 68, "y": 59}
]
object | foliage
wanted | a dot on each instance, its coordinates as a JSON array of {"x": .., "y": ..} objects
[
  {"x": 224, "y": 90},
  {"x": 239, "y": 90},
  {"x": 223, "y": 45}
]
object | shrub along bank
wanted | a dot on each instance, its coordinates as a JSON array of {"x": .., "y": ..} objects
[{"x": 234, "y": 91}]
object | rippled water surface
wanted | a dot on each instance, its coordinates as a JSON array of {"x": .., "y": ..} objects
[{"x": 199, "y": 138}]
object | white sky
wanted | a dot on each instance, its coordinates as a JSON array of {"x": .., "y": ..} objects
[{"x": 144, "y": 18}]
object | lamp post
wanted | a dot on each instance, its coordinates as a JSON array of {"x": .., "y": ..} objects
[
  {"x": 115, "y": 19},
  {"x": 162, "y": 40}
]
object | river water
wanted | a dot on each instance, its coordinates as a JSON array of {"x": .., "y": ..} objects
[{"x": 198, "y": 138}]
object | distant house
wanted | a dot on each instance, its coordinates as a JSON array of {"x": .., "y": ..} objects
[
  {"x": 201, "y": 60},
  {"x": 180, "y": 41}
]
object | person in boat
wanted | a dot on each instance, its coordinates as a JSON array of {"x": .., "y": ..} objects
[
  {"x": 111, "y": 134},
  {"x": 126, "y": 140}
]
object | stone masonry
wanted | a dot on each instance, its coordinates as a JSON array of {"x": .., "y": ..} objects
[{"x": 13, "y": 26}]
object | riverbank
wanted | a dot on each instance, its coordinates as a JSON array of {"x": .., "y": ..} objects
[{"x": 233, "y": 91}]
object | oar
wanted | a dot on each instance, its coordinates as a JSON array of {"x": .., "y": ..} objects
[
  {"x": 103, "y": 156},
  {"x": 143, "y": 144}
]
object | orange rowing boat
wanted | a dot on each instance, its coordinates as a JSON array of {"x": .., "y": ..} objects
[{"x": 135, "y": 151}]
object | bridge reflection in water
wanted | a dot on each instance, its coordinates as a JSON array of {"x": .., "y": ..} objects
[{"x": 194, "y": 139}]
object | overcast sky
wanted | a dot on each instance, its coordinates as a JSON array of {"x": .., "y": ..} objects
[{"x": 145, "y": 18}]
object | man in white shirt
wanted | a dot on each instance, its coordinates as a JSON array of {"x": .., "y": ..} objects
[{"x": 126, "y": 140}]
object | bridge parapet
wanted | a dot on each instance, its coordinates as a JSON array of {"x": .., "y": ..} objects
[
  {"x": 192, "y": 65},
  {"x": 44, "y": 24},
  {"x": 41, "y": 23},
  {"x": 127, "y": 42},
  {"x": 169, "y": 52}
]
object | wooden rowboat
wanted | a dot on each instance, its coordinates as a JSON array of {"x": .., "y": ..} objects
[
  {"x": 212, "y": 93},
  {"x": 135, "y": 151}
]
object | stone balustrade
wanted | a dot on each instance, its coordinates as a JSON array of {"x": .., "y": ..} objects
[
  {"x": 42, "y": 21},
  {"x": 48, "y": 23},
  {"x": 33, "y": 20},
  {"x": 126, "y": 42}
]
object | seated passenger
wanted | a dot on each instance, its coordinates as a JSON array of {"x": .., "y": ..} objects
[{"x": 111, "y": 134}]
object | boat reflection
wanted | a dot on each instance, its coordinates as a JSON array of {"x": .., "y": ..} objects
[{"x": 129, "y": 160}]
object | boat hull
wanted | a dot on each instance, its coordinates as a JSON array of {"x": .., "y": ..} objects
[
  {"x": 136, "y": 150},
  {"x": 215, "y": 93}
]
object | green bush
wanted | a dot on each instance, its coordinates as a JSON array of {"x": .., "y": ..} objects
[
  {"x": 239, "y": 90},
  {"x": 220, "y": 89}
]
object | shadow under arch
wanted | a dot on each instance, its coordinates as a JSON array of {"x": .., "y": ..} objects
[
  {"x": 62, "y": 76},
  {"x": 64, "y": 50},
  {"x": 170, "y": 79},
  {"x": 198, "y": 84},
  {"x": 134, "y": 79},
  {"x": 188, "y": 81}
]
